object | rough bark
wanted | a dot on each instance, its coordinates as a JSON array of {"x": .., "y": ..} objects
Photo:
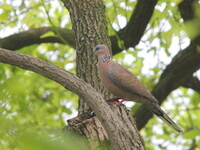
[
  {"x": 89, "y": 25},
  {"x": 120, "y": 136},
  {"x": 92, "y": 128}
]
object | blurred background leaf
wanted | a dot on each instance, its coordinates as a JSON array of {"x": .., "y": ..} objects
[{"x": 33, "y": 109}]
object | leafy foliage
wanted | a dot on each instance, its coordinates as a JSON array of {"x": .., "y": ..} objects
[{"x": 33, "y": 106}]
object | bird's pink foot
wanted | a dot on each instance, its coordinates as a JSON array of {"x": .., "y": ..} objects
[{"x": 116, "y": 100}]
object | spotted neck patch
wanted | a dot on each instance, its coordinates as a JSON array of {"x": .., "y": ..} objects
[{"x": 105, "y": 58}]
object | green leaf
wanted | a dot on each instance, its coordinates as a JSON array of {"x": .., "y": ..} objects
[
  {"x": 6, "y": 7},
  {"x": 191, "y": 134},
  {"x": 195, "y": 98},
  {"x": 168, "y": 37},
  {"x": 192, "y": 28},
  {"x": 50, "y": 33},
  {"x": 4, "y": 16}
]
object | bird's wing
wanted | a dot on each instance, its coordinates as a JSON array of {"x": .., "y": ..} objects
[{"x": 125, "y": 80}]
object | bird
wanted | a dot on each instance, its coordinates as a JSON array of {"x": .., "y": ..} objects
[{"x": 122, "y": 83}]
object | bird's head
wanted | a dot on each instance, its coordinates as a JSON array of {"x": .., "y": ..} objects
[{"x": 101, "y": 50}]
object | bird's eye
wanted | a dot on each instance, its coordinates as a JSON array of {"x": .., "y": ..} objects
[{"x": 97, "y": 48}]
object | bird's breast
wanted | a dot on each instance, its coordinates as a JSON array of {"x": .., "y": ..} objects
[{"x": 103, "y": 70}]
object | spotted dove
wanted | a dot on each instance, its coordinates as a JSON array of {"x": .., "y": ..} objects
[{"x": 123, "y": 84}]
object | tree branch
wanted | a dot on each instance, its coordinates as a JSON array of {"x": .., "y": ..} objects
[
  {"x": 33, "y": 36},
  {"x": 169, "y": 84},
  {"x": 131, "y": 34},
  {"x": 178, "y": 72},
  {"x": 183, "y": 65},
  {"x": 111, "y": 122},
  {"x": 186, "y": 9},
  {"x": 192, "y": 83}
]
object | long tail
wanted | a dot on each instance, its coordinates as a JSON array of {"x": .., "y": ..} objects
[{"x": 155, "y": 108}]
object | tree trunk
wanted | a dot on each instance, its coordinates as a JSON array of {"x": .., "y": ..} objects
[
  {"x": 89, "y": 23},
  {"x": 98, "y": 138}
]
